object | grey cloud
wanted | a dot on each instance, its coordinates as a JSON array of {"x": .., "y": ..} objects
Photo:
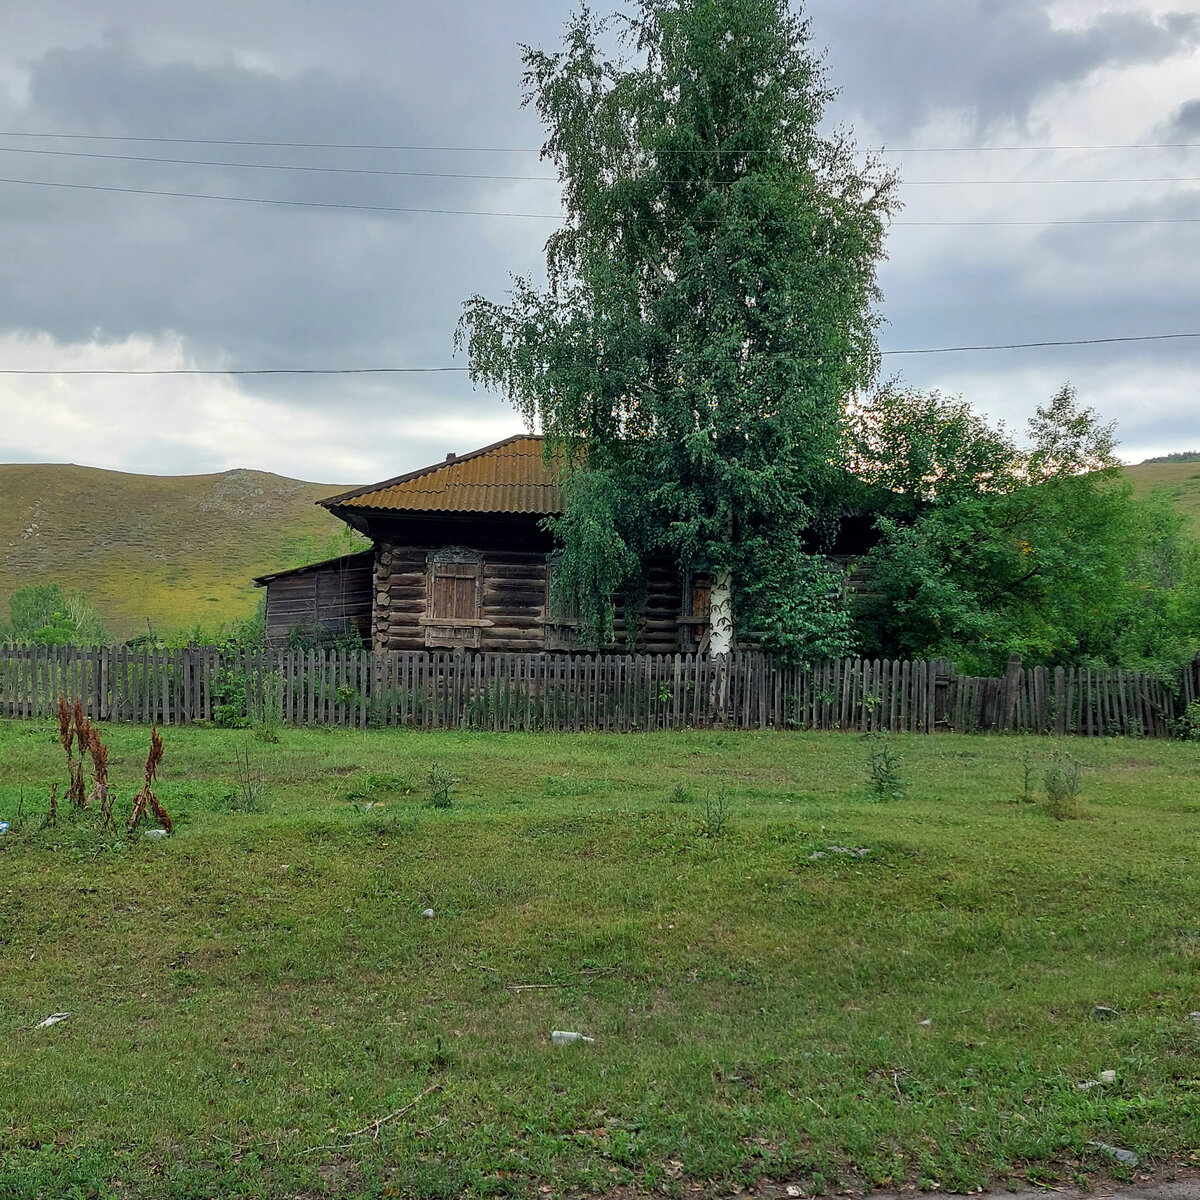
[
  {"x": 902, "y": 64},
  {"x": 253, "y": 285},
  {"x": 264, "y": 286},
  {"x": 991, "y": 285},
  {"x": 1184, "y": 122}
]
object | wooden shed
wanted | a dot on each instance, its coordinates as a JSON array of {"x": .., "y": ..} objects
[
  {"x": 461, "y": 560},
  {"x": 321, "y": 601}
]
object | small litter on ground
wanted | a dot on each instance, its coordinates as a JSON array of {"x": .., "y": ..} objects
[
  {"x": 1118, "y": 1152},
  {"x": 565, "y": 1037}
]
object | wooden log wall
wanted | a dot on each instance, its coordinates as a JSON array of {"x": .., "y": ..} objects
[
  {"x": 513, "y": 606},
  {"x": 577, "y": 692}
]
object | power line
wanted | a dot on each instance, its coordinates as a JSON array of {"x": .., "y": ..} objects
[
  {"x": 470, "y": 212},
  {"x": 998, "y": 182},
  {"x": 1012, "y": 149},
  {"x": 384, "y": 171},
  {"x": 243, "y": 371},
  {"x": 1152, "y": 337},
  {"x": 257, "y": 166},
  {"x": 189, "y": 141},
  {"x": 1051, "y": 221},
  {"x": 114, "y": 137},
  {"x": 393, "y": 208}
]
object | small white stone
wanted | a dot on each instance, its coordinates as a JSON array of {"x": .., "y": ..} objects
[
  {"x": 427, "y": 913},
  {"x": 927, "y": 1021},
  {"x": 156, "y": 834},
  {"x": 1108, "y": 1077}
]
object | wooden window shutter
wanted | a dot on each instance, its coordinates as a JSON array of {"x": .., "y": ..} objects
[
  {"x": 455, "y": 607},
  {"x": 455, "y": 593}
]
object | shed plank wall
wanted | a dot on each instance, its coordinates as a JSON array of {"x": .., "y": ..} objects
[{"x": 332, "y": 598}]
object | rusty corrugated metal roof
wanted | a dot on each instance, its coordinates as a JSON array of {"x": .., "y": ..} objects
[{"x": 507, "y": 477}]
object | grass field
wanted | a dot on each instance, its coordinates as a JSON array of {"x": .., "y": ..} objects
[
  {"x": 178, "y": 550},
  {"x": 250, "y": 997},
  {"x": 1180, "y": 480}
]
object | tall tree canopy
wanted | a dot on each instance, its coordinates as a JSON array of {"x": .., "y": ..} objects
[
  {"x": 1042, "y": 550},
  {"x": 708, "y": 309}
]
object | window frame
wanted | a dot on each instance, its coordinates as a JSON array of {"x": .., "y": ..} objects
[
  {"x": 442, "y": 630},
  {"x": 693, "y": 626},
  {"x": 560, "y": 628}
]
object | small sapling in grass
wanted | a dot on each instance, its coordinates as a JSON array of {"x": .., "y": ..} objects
[
  {"x": 440, "y": 787},
  {"x": 1063, "y": 785},
  {"x": 247, "y": 797},
  {"x": 883, "y": 770},
  {"x": 715, "y": 822},
  {"x": 682, "y": 794}
]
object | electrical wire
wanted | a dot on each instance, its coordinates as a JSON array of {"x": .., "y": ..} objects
[
  {"x": 208, "y": 162},
  {"x": 384, "y": 171},
  {"x": 471, "y": 212},
  {"x": 190, "y": 141},
  {"x": 392, "y": 208},
  {"x": 1108, "y": 341}
]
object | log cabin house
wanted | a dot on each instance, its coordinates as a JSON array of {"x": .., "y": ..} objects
[{"x": 460, "y": 560}]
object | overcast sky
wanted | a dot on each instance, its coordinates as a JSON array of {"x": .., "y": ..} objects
[{"x": 107, "y": 279}]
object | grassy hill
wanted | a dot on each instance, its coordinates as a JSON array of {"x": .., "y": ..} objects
[
  {"x": 1181, "y": 480},
  {"x": 179, "y": 550}
]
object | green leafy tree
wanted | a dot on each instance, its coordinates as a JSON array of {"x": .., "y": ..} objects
[
  {"x": 1042, "y": 551},
  {"x": 912, "y": 449},
  {"x": 708, "y": 308},
  {"x": 46, "y": 615}
]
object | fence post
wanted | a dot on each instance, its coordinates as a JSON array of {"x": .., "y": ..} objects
[{"x": 1012, "y": 684}]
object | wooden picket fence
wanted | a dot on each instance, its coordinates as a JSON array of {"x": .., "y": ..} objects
[{"x": 580, "y": 692}]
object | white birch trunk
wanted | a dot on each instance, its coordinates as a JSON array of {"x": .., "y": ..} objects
[{"x": 720, "y": 616}]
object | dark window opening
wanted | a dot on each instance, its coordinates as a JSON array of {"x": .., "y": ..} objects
[
  {"x": 562, "y": 609},
  {"x": 694, "y": 617}
]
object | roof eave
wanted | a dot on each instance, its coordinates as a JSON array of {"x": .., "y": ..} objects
[
  {"x": 353, "y": 493},
  {"x": 263, "y": 580}
]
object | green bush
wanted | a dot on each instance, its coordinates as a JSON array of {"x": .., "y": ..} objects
[
  {"x": 46, "y": 615},
  {"x": 1063, "y": 785}
]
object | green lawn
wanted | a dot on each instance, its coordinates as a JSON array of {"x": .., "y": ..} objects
[{"x": 248, "y": 996}]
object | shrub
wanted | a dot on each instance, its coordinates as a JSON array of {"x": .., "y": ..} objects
[
  {"x": 1188, "y": 725},
  {"x": 1062, "y": 787},
  {"x": 883, "y": 770},
  {"x": 440, "y": 787}
]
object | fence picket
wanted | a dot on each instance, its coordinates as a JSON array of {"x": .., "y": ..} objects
[{"x": 505, "y": 692}]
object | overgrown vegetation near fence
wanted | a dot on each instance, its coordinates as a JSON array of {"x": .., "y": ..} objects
[{"x": 570, "y": 692}]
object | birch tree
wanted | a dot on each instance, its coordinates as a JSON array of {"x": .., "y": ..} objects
[{"x": 708, "y": 308}]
